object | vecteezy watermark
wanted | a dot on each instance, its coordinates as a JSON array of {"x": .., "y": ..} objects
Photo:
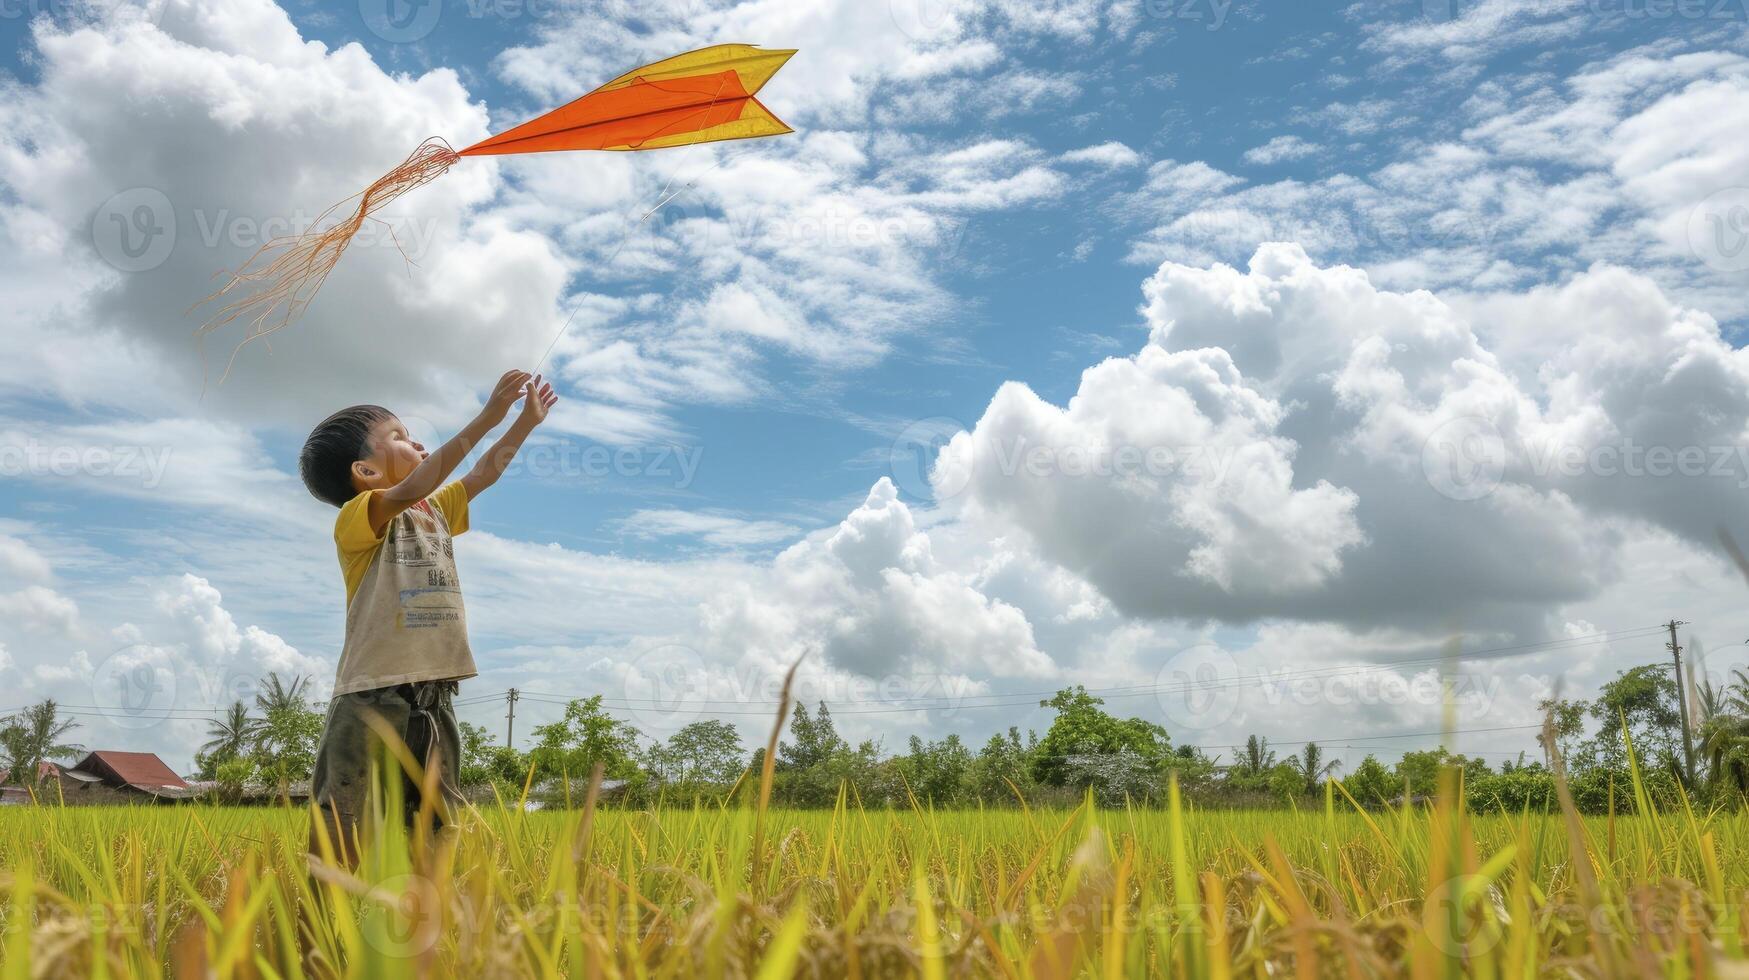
[
  {"x": 670, "y": 686},
  {"x": 1467, "y": 457},
  {"x": 944, "y": 20},
  {"x": 1360, "y": 229},
  {"x": 135, "y": 230},
  {"x": 401, "y": 21},
  {"x": 918, "y": 464},
  {"x": 914, "y": 452},
  {"x": 675, "y": 466},
  {"x": 135, "y": 687},
  {"x": 403, "y": 916},
  {"x": 1485, "y": 15},
  {"x": 1377, "y": 685},
  {"x": 1464, "y": 458},
  {"x": 647, "y": 12},
  {"x": 1718, "y": 230},
  {"x": 1199, "y": 688},
  {"x": 666, "y": 687},
  {"x": 30, "y": 458},
  {"x": 567, "y": 459},
  {"x": 1203, "y": 687},
  {"x": 1211, "y": 15},
  {"x": 1715, "y": 10},
  {"x": 704, "y": 228},
  {"x": 1458, "y": 916},
  {"x": 411, "y": 21},
  {"x": 927, "y": 20},
  {"x": 224, "y": 227},
  {"x": 142, "y": 686}
]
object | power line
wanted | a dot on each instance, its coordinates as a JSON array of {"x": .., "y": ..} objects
[
  {"x": 905, "y": 705},
  {"x": 1330, "y": 741},
  {"x": 1026, "y": 699},
  {"x": 1338, "y": 741}
]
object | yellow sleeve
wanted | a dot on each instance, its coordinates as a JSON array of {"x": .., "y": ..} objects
[
  {"x": 356, "y": 541},
  {"x": 352, "y": 531},
  {"x": 452, "y": 502}
]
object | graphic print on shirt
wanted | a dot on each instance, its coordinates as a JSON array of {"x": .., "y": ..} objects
[{"x": 421, "y": 546}]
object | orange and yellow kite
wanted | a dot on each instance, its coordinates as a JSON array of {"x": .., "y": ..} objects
[{"x": 699, "y": 97}]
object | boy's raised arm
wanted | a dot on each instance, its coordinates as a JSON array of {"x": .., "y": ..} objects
[
  {"x": 537, "y": 397},
  {"x": 429, "y": 475}
]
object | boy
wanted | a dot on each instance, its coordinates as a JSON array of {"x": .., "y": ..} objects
[{"x": 406, "y": 638}]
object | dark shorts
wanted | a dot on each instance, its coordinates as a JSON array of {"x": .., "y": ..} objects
[{"x": 421, "y": 715}]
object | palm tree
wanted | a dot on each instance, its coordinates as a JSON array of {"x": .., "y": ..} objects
[
  {"x": 230, "y": 735},
  {"x": 1312, "y": 766},
  {"x": 1256, "y": 759},
  {"x": 277, "y": 696},
  {"x": 286, "y": 735},
  {"x": 31, "y": 737},
  {"x": 1724, "y": 741},
  {"x": 1724, "y": 733}
]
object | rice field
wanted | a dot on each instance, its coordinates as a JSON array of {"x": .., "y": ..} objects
[{"x": 708, "y": 890}]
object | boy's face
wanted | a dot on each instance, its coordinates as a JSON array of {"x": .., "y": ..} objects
[{"x": 392, "y": 454}]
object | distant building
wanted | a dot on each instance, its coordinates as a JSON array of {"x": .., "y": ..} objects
[
  {"x": 553, "y": 794},
  {"x": 134, "y": 774},
  {"x": 296, "y": 793},
  {"x": 112, "y": 777},
  {"x": 56, "y": 783}
]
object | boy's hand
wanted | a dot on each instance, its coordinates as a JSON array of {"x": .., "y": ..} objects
[
  {"x": 504, "y": 394},
  {"x": 537, "y": 397}
]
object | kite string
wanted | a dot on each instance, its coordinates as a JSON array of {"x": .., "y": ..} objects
[{"x": 663, "y": 199}]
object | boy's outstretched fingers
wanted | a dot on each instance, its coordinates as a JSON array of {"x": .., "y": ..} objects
[
  {"x": 505, "y": 393},
  {"x": 538, "y": 396}
]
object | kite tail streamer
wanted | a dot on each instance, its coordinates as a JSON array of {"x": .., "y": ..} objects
[{"x": 286, "y": 272}]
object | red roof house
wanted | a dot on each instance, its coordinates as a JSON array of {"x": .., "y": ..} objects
[
  {"x": 44, "y": 770},
  {"x": 143, "y": 772},
  {"x": 53, "y": 782}
]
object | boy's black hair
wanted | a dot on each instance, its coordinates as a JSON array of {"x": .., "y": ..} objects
[{"x": 332, "y": 448}]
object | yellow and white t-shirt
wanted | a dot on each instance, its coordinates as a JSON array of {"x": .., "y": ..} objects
[{"x": 404, "y": 618}]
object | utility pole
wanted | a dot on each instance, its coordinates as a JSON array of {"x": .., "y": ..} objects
[
  {"x": 510, "y": 725},
  {"x": 1682, "y": 702}
]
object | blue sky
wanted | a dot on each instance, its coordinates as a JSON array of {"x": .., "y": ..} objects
[{"x": 1306, "y": 239}]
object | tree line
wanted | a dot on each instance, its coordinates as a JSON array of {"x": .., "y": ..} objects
[{"x": 1635, "y": 721}]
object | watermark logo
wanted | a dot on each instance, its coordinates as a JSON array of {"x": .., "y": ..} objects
[
  {"x": 134, "y": 686},
  {"x": 29, "y": 457},
  {"x": 405, "y": 917},
  {"x": 401, "y": 21},
  {"x": 1198, "y": 688},
  {"x": 1657, "y": 10},
  {"x": 924, "y": 20},
  {"x": 1465, "y": 458},
  {"x": 566, "y": 459},
  {"x": 1718, "y": 230},
  {"x": 223, "y": 687},
  {"x": 666, "y": 687},
  {"x": 1458, "y": 917},
  {"x": 135, "y": 230},
  {"x": 1439, "y": 11},
  {"x": 913, "y": 454},
  {"x": 1211, "y": 14}
]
